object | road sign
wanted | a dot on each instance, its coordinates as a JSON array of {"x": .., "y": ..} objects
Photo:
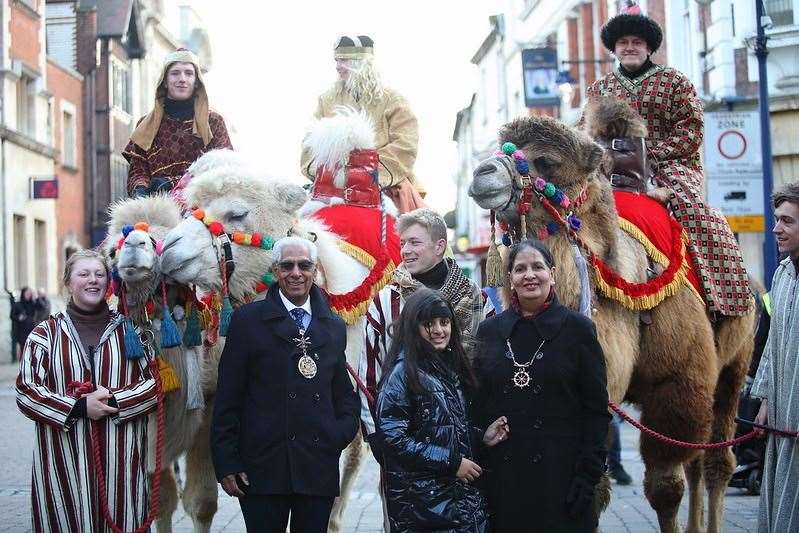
[
  {"x": 43, "y": 187},
  {"x": 733, "y": 168},
  {"x": 732, "y": 144}
]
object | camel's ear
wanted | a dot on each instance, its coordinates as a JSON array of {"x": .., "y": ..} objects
[
  {"x": 592, "y": 156},
  {"x": 290, "y": 196}
]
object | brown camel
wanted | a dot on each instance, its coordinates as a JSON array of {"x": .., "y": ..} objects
[{"x": 681, "y": 370}]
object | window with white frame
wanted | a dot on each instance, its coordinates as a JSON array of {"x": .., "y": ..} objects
[
  {"x": 119, "y": 177},
  {"x": 68, "y": 135},
  {"x": 780, "y": 11},
  {"x": 120, "y": 86},
  {"x": 26, "y": 105}
]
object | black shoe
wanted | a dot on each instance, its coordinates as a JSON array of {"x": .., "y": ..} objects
[{"x": 620, "y": 475}]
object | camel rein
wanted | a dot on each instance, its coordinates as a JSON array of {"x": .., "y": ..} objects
[
  {"x": 85, "y": 388},
  {"x": 702, "y": 445}
]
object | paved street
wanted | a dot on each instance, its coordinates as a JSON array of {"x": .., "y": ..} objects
[{"x": 629, "y": 511}]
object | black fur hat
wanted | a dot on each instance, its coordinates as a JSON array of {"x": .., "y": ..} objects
[{"x": 632, "y": 24}]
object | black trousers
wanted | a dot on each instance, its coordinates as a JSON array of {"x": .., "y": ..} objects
[{"x": 270, "y": 513}]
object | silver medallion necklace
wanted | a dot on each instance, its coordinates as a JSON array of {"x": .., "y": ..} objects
[
  {"x": 521, "y": 377},
  {"x": 306, "y": 365}
]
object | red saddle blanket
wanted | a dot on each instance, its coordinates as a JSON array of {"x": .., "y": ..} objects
[
  {"x": 360, "y": 226},
  {"x": 653, "y": 220}
]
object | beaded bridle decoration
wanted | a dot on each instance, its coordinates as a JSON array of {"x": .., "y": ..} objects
[{"x": 551, "y": 198}]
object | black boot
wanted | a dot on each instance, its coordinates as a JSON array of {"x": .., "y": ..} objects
[{"x": 620, "y": 475}]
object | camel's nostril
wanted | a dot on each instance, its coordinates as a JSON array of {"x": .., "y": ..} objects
[{"x": 485, "y": 168}]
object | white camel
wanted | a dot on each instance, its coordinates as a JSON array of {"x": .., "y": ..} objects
[
  {"x": 138, "y": 264},
  {"x": 243, "y": 201}
]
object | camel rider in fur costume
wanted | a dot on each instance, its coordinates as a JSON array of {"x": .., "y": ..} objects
[
  {"x": 359, "y": 87},
  {"x": 668, "y": 102},
  {"x": 179, "y": 129}
]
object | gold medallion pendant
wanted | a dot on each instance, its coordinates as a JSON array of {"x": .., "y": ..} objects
[
  {"x": 521, "y": 378},
  {"x": 307, "y": 366}
]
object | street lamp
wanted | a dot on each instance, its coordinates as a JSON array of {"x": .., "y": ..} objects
[{"x": 761, "y": 51}]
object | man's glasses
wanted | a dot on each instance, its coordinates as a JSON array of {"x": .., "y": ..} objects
[{"x": 288, "y": 266}]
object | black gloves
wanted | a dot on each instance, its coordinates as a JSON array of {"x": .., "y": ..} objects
[
  {"x": 157, "y": 184},
  {"x": 160, "y": 184},
  {"x": 580, "y": 497}
]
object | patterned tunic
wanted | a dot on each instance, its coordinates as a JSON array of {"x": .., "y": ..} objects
[
  {"x": 667, "y": 100},
  {"x": 777, "y": 381},
  {"x": 173, "y": 151},
  {"x": 64, "y": 487}
]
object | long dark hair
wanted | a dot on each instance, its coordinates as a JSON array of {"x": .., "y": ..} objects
[{"x": 406, "y": 339}]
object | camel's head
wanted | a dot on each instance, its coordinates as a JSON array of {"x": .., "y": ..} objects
[
  {"x": 558, "y": 153},
  {"x": 137, "y": 257},
  {"x": 242, "y": 201}
]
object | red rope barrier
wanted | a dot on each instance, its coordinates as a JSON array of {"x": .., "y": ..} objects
[
  {"x": 159, "y": 447},
  {"x": 698, "y": 445}
]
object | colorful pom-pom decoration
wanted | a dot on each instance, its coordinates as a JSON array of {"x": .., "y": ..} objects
[
  {"x": 216, "y": 228},
  {"x": 574, "y": 222},
  {"x": 126, "y": 229},
  {"x": 255, "y": 240},
  {"x": 141, "y": 226},
  {"x": 553, "y": 228},
  {"x": 506, "y": 239},
  {"x": 523, "y": 167},
  {"x": 565, "y": 202},
  {"x": 159, "y": 247},
  {"x": 549, "y": 190},
  {"x": 508, "y": 148},
  {"x": 539, "y": 184},
  {"x": 518, "y": 155},
  {"x": 199, "y": 214}
]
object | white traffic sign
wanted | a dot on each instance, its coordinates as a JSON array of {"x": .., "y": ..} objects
[{"x": 732, "y": 144}]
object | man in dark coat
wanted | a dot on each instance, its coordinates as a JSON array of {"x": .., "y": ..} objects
[{"x": 285, "y": 406}]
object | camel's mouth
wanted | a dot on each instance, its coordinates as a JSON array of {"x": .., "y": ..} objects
[{"x": 491, "y": 185}]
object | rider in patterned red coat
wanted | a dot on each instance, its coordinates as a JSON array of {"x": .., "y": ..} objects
[{"x": 668, "y": 102}]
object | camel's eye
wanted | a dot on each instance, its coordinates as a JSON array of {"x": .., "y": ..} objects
[
  {"x": 237, "y": 216},
  {"x": 544, "y": 165}
]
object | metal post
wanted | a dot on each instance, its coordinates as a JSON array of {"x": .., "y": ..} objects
[{"x": 769, "y": 244}]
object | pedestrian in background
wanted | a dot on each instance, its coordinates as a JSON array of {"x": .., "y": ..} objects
[
  {"x": 43, "y": 306},
  {"x": 74, "y": 372},
  {"x": 423, "y": 429},
  {"x": 285, "y": 406},
  {"x": 541, "y": 367},
  {"x": 24, "y": 315},
  {"x": 776, "y": 379}
]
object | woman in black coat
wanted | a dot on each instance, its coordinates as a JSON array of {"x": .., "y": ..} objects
[
  {"x": 24, "y": 315},
  {"x": 540, "y": 365},
  {"x": 423, "y": 431}
]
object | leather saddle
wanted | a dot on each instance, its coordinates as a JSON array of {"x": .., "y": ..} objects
[{"x": 631, "y": 171}]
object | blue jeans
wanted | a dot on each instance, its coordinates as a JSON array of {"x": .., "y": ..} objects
[{"x": 614, "y": 448}]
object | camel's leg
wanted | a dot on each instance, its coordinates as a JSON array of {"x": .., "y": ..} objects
[
  {"x": 354, "y": 456},
  {"x": 167, "y": 500},
  {"x": 200, "y": 491},
  {"x": 696, "y": 495},
  {"x": 720, "y": 463},
  {"x": 674, "y": 382}
]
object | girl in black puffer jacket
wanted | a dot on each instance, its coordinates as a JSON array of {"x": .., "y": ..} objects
[{"x": 423, "y": 432}]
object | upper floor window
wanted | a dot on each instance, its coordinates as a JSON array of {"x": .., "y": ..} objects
[
  {"x": 68, "y": 138},
  {"x": 780, "y": 11},
  {"x": 120, "y": 86},
  {"x": 26, "y": 105}
]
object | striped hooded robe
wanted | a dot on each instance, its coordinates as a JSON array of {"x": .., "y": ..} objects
[
  {"x": 777, "y": 381},
  {"x": 64, "y": 488}
]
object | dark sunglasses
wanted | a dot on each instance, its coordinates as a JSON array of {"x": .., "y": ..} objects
[{"x": 288, "y": 266}]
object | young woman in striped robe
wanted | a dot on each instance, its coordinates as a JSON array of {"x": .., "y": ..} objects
[{"x": 85, "y": 344}]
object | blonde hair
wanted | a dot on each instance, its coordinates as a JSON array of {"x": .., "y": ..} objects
[
  {"x": 363, "y": 83},
  {"x": 428, "y": 219},
  {"x": 87, "y": 253}
]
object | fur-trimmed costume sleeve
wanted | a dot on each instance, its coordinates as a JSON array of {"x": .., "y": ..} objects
[{"x": 399, "y": 154}]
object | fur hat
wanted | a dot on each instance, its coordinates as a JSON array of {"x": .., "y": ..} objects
[
  {"x": 147, "y": 128},
  {"x": 353, "y": 47},
  {"x": 632, "y": 22}
]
